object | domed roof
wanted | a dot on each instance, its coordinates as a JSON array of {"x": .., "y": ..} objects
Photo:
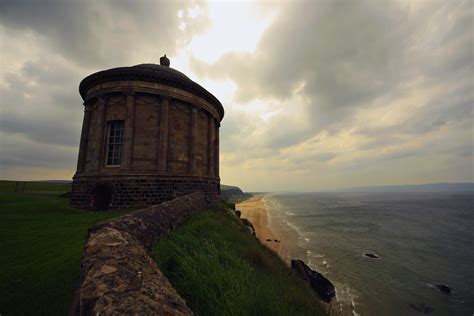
[
  {"x": 151, "y": 73},
  {"x": 159, "y": 68}
]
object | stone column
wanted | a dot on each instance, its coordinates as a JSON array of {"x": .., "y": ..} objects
[
  {"x": 81, "y": 160},
  {"x": 193, "y": 140},
  {"x": 216, "y": 150},
  {"x": 100, "y": 135},
  {"x": 210, "y": 147},
  {"x": 129, "y": 131},
  {"x": 164, "y": 133}
]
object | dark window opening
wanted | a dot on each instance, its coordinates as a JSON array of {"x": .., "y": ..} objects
[{"x": 114, "y": 143}]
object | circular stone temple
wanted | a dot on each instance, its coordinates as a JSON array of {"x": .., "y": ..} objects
[{"x": 149, "y": 134}]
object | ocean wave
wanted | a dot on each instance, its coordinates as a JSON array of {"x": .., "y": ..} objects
[
  {"x": 315, "y": 255},
  {"x": 292, "y": 226},
  {"x": 275, "y": 211},
  {"x": 429, "y": 285},
  {"x": 346, "y": 297},
  {"x": 269, "y": 203},
  {"x": 354, "y": 311},
  {"x": 306, "y": 239}
]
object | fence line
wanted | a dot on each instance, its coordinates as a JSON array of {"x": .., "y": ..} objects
[{"x": 25, "y": 186}]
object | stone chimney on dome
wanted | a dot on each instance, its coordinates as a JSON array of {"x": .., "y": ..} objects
[{"x": 164, "y": 61}]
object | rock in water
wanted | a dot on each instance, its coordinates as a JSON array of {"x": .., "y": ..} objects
[
  {"x": 444, "y": 288},
  {"x": 322, "y": 286},
  {"x": 371, "y": 255},
  {"x": 422, "y": 308}
]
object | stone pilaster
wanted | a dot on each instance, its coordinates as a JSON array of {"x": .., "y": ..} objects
[
  {"x": 193, "y": 140},
  {"x": 129, "y": 131},
  {"x": 100, "y": 135},
  {"x": 210, "y": 139},
  {"x": 216, "y": 150},
  {"x": 81, "y": 160},
  {"x": 164, "y": 134}
]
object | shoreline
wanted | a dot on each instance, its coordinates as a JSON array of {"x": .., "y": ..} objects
[
  {"x": 255, "y": 211},
  {"x": 281, "y": 242}
]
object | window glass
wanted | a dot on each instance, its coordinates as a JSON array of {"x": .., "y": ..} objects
[{"x": 114, "y": 143}]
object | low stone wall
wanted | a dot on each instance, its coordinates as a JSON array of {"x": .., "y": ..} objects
[{"x": 118, "y": 276}]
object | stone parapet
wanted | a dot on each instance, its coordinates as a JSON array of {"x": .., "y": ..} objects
[{"x": 117, "y": 275}]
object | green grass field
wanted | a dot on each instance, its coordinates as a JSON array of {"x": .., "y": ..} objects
[
  {"x": 41, "y": 242},
  {"x": 213, "y": 262},
  {"x": 220, "y": 269},
  {"x": 34, "y": 186}
]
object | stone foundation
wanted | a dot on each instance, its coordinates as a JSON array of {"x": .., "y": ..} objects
[{"x": 136, "y": 191}]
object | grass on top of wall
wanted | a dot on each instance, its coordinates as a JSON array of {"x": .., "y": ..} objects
[
  {"x": 41, "y": 242},
  {"x": 220, "y": 269}
]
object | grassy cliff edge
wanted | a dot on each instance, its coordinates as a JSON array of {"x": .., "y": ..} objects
[{"x": 221, "y": 269}]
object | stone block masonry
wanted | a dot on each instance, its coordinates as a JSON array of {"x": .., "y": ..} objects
[
  {"x": 117, "y": 275},
  {"x": 138, "y": 191}
]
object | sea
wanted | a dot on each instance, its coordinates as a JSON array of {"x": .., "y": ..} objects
[{"x": 422, "y": 239}]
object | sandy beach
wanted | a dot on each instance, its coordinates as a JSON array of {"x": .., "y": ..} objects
[{"x": 255, "y": 211}]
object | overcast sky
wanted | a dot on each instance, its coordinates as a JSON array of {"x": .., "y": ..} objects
[{"x": 318, "y": 94}]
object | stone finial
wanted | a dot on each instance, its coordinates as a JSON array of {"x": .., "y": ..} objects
[{"x": 164, "y": 61}]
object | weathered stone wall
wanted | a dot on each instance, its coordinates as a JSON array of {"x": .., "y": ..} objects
[
  {"x": 146, "y": 132},
  {"x": 202, "y": 151},
  {"x": 116, "y": 109},
  {"x": 92, "y": 139},
  {"x": 145, "y": 141},
  {"x": 117, "y": 275},
  {"x": 138, "y": 191},
  {"x": 179, "y": 142}
]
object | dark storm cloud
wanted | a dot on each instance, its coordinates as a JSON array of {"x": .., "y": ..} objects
[
  {"x": 348, "y": 52},
  {"x": 18, "y": 153},
  {"x": 344, "y": 52},
  {"x": 51, "y": 45},
  {"x": 326, "y": 61},
  {"x": 452, "y": 108},
  {"x": 104, "y": 33},
  {"x": 321, "y": 66},
  {"x": 41, "y": 103},
  {"x": 51, "y": 130}
]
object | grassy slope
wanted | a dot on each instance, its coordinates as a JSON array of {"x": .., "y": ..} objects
[
  {"x": 220, "y": 269},
  {"x": 41, "y": 241}
]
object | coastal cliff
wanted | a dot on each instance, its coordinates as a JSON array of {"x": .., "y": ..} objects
[
  {"x": 232, "y": 194},
  {"x": 186, "y": 257}
]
